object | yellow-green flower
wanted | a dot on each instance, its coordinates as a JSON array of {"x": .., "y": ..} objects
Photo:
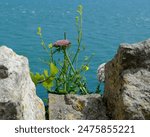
[
  {"x": 50, "y": 45},
  {"x": 85, "y": 68},
  {"x": 39, "y": 31}
]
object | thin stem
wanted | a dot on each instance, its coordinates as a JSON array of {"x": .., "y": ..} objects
[
  {"x": 65, "y": 70},
  {"x": 82, "y": 88},
  {"x": 69, "y": 61},
  {"x": 51, "y": 54},
  {"x": 79, "y": 39},
  {"x": 39, "y": 82},
  {"x": 65, "y": 36},
  {"x": 43, "y": 43}
]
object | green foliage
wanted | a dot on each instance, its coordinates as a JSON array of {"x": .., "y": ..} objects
[
  {"x": 45, "y": 78},
  {"x": 36, "y": 78},
  {"x": 54, "y": 69},
  {"x": 64, "y": 75}
]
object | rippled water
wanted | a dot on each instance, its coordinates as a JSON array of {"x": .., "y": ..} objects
[{"x": 107, "y": 23}]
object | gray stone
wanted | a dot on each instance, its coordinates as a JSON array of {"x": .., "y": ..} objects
[
  {"x": 76, "y": 107},
  {"x": 18, "y": 99},
  {"x": 127, "y": 82}
]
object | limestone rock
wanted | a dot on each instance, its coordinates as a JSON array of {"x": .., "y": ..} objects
[
  {"x": 101, "y": 73},
  {"x": 76, "y": 107},
  {"x": 127, "y": 82},
  {"x": 18, "y": 99}
]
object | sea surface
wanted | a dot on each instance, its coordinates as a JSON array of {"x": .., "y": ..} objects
[{"x": 106, "y": 24}]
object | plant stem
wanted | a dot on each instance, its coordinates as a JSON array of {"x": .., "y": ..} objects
[
  {"x": 43, "y": 43},
  {"x": 65, "y": 70},
  {"x": 82, "y": 88},
  {"x": 79, "y": 39},
  {"x": 69, "y": 61},
  {"x": 51, "y": 55},
  {"x": 65, "y": 66},
  {"x": 65, "y": 37},
  {"x": 39, "y": 82}
]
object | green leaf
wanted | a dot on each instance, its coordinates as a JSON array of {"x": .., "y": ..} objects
[
  {"x": 39, "y": 77},
  {"x": 36, "y": 77},
  {"x": 33, "y": 78},
  {"x": 62, "y": 92},
  {"x": 74, "y": 92},
  {"x": 46, "y": 73},
  {"x": 54, "y": 69},
  {"x": 48, "y": 84}
]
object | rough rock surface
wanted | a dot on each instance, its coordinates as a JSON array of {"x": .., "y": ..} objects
[
  {"x": 74, "y": 107},
  {"x": 18, "y": 99},
  {"x": 127, "y": 82},
  {"x": 101, "y": 73}
]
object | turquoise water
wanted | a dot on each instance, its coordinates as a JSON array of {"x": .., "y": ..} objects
[{"x": 107, "y": 23}]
